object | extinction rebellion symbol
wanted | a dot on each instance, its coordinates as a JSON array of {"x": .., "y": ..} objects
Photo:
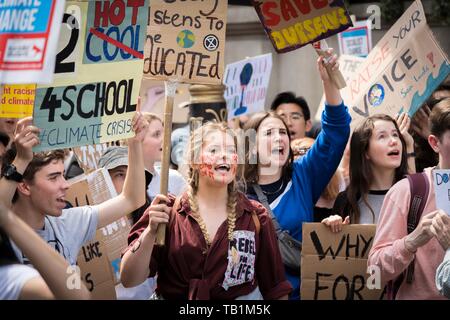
[{"x": 211, "y": 42}]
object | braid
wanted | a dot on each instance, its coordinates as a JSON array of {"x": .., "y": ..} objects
[
  {"x": 196, "y": 214},
  {"x": 231, "y": 209}
]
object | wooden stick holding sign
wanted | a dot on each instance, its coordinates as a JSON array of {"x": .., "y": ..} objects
[
  {"x": 171, "y": 88},
  {"x": 335, "y": 75}
]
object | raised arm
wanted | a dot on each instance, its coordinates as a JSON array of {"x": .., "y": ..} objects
[
  {"x": 325, "y": 155},
  {"x": 404, "y": 122},
  {"x": 50, "y": 264},
  {"x": 132, "y": 196},
  {"x": 332, "y": 93},
  {"x": 26, "y": 137}
]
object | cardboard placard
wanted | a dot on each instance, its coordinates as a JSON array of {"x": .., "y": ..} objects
[
  {"x": 246, "y": 84},
  {"x": 96, "y": 271},
  {"x": 88, "y": 156},
  {"x": 348, "y": 65},
  {"x": 115, "y": 238},
  {"x": 17, "y": 101},
  {"x": 103, "y": 253},
  {"x": 293, "y": 24},
  {"x": 29, "y": 33},
  {"x": 401, "y": 72},
  {"x": 186, "y": 41},
  {"x": 356, "y": 40},
  {"x": 334, "y": 265},
  {"x": 442, "y": 189},
  {"x": 97, "y": 75}
]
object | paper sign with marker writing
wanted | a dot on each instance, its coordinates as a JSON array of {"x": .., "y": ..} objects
[
  {"x": 17, "y": 100},
  {"x": 186, "y": 41},
  {"x": 401, "y": 72},
  {"x": 442, "y": 189},
  {"x": 292, "y": 24},
  {"x": 334, "y": 265},
  {"x": 29, "y": 33},
  {"x": 97, "y": 75},
  {"x": 88, "y": 156},
  {"x": 356, "y": 40},
  {"x": 348, "y": 65},
  {"x": 246, "y": 84}
]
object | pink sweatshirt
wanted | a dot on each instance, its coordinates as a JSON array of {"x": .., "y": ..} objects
[{"x": 389, "y": 252}]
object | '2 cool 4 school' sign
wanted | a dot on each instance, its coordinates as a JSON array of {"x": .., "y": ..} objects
[{"x": 98, "y": 74}]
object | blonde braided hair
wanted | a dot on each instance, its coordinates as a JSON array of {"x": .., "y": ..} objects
[{"x": 193, "y": 152}]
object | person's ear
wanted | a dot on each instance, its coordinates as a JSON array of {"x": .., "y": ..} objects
[
  {"x": 308, "y": 125},
  {"x": 433, "y": 141},
  {"x": 24, "y": 188}
]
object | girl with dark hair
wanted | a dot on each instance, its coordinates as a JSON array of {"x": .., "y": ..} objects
[
  {"x": 378, "y": 159},
  {"x": 218, "y": 244},
  {"x": 291, "y": 188}
]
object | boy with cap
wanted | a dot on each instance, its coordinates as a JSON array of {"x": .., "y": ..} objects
[{"x": 115, "y": 160}]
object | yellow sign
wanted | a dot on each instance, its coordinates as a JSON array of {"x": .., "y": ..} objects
[{"x": 17, "y": 100}]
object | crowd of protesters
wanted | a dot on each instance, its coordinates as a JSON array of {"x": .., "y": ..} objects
[{"x": 226, "y": 216}]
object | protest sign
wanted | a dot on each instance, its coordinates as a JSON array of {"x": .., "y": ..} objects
[
  {"x": 442, "y": 189},
  {"x": 186, "y": 41},
  {"x": 246, "y": 84},
  {"x": 334, "y": 265},
  {"x": 401, "y": 72},
  {"x": 292, "y": 24},
  {"x": 16, "y": 101},
  {"x": 96, "y": 271},
  {"x": 97, "y": 75},
  {"x": 356, "y": 40},
  {"x": 348, "y": 65},
  {"x": 29, "y": 33},
  {"x": 88, "y": 156},
  {"x": 109, "y": 241}
]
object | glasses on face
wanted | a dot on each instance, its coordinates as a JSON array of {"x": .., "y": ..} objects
[{"x": 294, "y": 116}]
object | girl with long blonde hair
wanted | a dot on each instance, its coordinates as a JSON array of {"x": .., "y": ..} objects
[{"x": 219, "y": 244}]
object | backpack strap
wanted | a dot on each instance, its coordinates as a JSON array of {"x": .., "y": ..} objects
[
  {"x": 420, "y": 188},
  {"x": 263, "y": 200}
]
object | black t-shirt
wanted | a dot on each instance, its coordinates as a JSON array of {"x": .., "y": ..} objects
[{"x": 272, "y": 190}]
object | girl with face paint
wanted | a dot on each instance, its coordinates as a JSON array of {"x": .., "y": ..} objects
[{"x": 219, "y": 244}]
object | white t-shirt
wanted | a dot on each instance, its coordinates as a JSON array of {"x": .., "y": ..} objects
[
  {"x": 12, "y": 279},
  {"x": 67, "y": 233},
  {"x": 176, "y": 186}
]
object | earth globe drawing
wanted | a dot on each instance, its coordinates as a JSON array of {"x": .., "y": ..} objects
[
  {"x": 186, "y": 39},
  {"x": 376, "y": 95}
]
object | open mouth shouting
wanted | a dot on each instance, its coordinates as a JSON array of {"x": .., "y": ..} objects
[
  {"x": 222, "y": 168},
  {"x": 61, "y": 201},
  {"x": 278, "y": 151},
  {"x": 394, "y": 153}
]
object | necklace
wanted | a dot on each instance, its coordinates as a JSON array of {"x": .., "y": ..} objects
[{"x": 276, "y": 191}]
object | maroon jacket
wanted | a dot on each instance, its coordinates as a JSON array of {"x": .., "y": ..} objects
[{"x": 186, "y": 270}]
